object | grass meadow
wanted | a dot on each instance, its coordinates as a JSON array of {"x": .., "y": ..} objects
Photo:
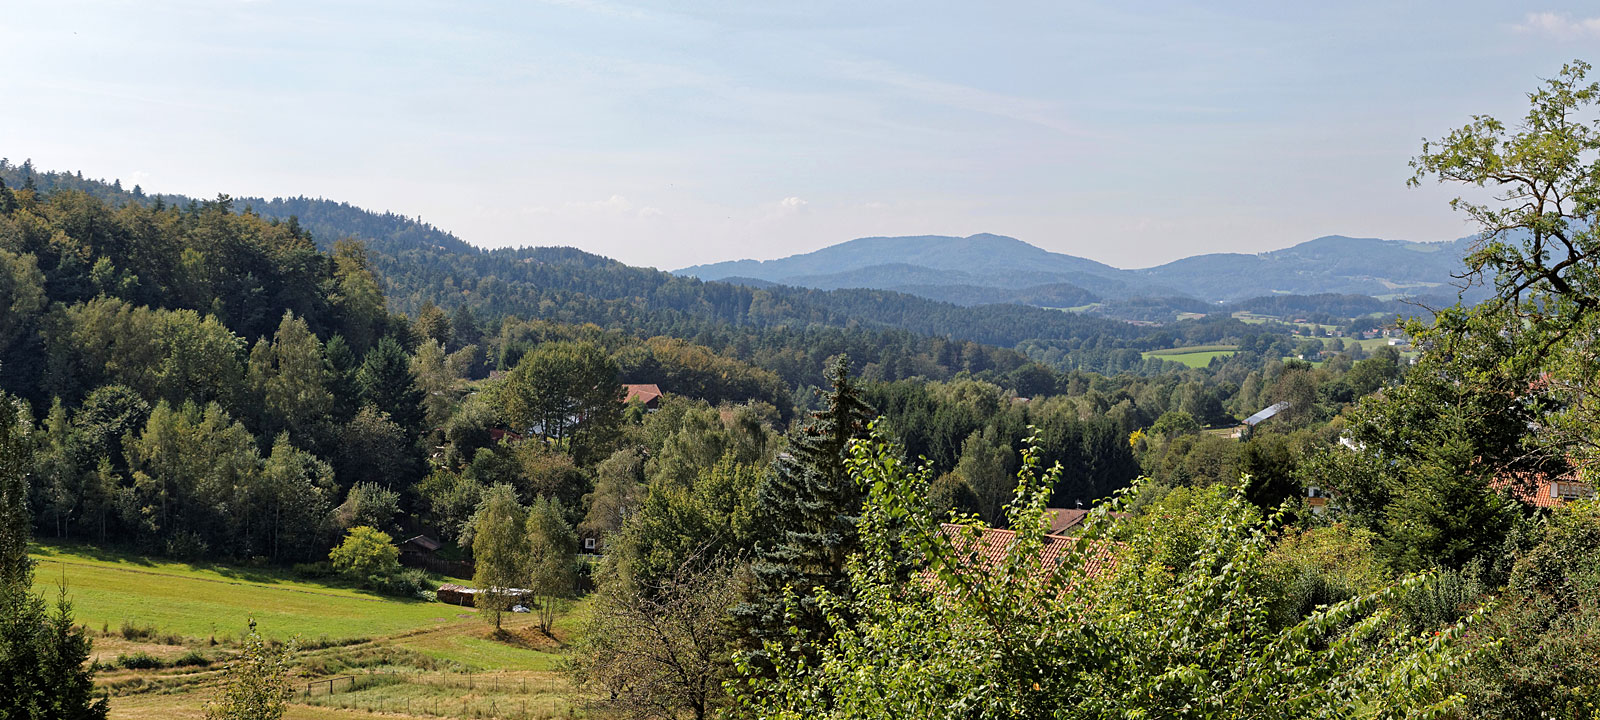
[{"x": 163, "y": 629}]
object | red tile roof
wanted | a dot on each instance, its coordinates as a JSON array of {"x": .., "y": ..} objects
[
  {"x": 1545, "y": 491},
  {"x": 643, "y": 393},
  {"x": 1064, "y": 519},
  {"x": 990, "y": 548}
]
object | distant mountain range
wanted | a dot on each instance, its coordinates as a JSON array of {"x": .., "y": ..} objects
[{"x": 989, "y": 268}]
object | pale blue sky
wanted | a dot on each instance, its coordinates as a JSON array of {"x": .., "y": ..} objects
[{"x": 668, "y": 134}]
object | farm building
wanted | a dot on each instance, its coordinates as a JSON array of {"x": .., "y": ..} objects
[
  {"x": 1266, "y": 414},
  {"x": 462, "y": 595},
  {"x": 420, "y": 546}
]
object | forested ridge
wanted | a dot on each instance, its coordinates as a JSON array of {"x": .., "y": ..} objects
[{"x": 420, "y": 264}]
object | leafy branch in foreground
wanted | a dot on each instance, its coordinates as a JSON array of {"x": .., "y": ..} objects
[
  {"x": 255, "y": 685},
  {"x": 1140, "y": 617}
]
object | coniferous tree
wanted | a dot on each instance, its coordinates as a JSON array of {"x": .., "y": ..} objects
[
  {"x": 44, "y": 669},
  {"x": 810, "y": 506},
  {"x": 385, "y": 382}
]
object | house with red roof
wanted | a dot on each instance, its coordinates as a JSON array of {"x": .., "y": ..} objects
[{"x": 647, "y": 395}]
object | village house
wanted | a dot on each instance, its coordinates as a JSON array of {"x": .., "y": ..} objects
[{"x": 648, "y": 395}]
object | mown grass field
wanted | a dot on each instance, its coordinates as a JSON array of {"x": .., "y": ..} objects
[
  {"x": 1195, "y": 356},
  {"x": 108, "y": 589},
  {"x": 432, "y": 659}
]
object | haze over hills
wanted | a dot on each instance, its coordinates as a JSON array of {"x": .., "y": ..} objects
[{"x": 932, "y": 266}]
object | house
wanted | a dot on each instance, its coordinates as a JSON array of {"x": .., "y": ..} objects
[
  {"x": 647, "y": 395},
  {"x": 503, "y": 435},
  {"x": 1065, "y": 520},
  {"x": 419, "y": 547},
  {"x": 985, "y": 550},
  {"x": 1317, "y": 500},
  {"x": 1546, "y": 491}
]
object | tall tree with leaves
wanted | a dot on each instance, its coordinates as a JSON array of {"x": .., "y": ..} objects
[
  {"x": 810, "y": 505},
  {"x": 567, "y": 393},
  {"x": 44, "y": 668},
  {"x": 552, "y": 558},
  {"x": 499, "y": 551},
  {"x": 291, "y": 378},
  {"x": 1538, "y": 247},
  {"x": 1503, "y": 392}
]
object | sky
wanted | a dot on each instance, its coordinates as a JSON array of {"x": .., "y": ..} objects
[{"x": 669, "y": 134}]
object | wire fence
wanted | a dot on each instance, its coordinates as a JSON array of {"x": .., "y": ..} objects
[
  {"x": 463, "y": 695},
  {"x": 518, "y": 709}
]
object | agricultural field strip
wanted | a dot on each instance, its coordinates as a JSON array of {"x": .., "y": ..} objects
[
  {"x": 195, "y": 578},
  {"x": 1191, "y": 349}
]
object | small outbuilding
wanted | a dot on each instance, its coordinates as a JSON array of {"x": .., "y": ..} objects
[{"x": 420, "y": 546}]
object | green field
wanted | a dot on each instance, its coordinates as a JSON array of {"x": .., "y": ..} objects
[
  {"x": 108, "y": 589},
  {"x": 405, "y": 654},
  {"x": 1197, "y": 356}
]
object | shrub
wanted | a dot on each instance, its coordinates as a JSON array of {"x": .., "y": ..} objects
[
  {"x": 366, "y": 552},
  {"x": 313, "y": 570},
  {"x": 193, "y": 658},
  {"x": 411, "y": 583},
  {"x": 140, "y": 661}
]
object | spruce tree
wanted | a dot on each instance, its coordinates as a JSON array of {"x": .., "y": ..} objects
[
  {"x": 44, "y": 668},
  {"x": 385, "y": 382},
  {"x": 809, "y": 506}
]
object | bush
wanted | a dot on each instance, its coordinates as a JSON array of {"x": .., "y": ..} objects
[
  {"x": 313, "y": 570},
  {"x": 187, "y": 546},
  {"x": 131, "y": 631},
  {"x": 406, "y": 583},
  {"x": 366, "y": 552},
  {"x": 140, "y": 661},
  {"x": 193, "y": 658}
]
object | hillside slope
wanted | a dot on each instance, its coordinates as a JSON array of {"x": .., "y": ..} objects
[
  {"x": 1332, "y": 264},
  {"x": 926, "y": 263},
  {"x": 785, "y": 328}
]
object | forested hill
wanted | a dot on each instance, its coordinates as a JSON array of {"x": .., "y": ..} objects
[{"x": 421, "y": 265}]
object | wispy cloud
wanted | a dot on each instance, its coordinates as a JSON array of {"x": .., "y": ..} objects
[
  {"x": 1560, "y": 26},
  {"x": 599, "y": 7},
  {"x": 961, "y": 97}
]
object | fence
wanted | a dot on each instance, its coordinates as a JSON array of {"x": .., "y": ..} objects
[
  {"x": 540, "y": 698},
  {"x": 520, "y": 709},
  {"x": 349, "y": 680},
  {"x": 449, "y": 568}
]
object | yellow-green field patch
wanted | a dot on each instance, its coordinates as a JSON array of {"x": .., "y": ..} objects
[
  {"x": 110, "y": 589},
  {"x": 1196, "y": 356}
]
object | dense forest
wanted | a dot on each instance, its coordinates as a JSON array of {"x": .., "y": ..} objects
[{"x": 904, "y": 335}]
